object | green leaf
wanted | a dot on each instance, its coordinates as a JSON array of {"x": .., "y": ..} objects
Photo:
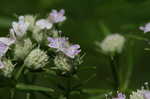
[
  {"x": 25, "y": 87},
  {"x": 84, "y": 68},
  {"x": 104, "y": 29},
  {"x": 97, "y": 97},
  {"x": 96, "y": 91},
  {"x": 137, "y": 37}
]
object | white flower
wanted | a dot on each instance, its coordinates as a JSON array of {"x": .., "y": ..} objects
[
  {"x": 4, "y": 45},
  {"x": 57, "y": 16},
  {"x": 140, "y": 94},
  {"x": 7, "y": 41},
  {"x": 38, "y": 36},
  {"x": 19, "y": 28},
  {"x": 44, "y": 24},
  {"x": 145, "y": 28},
  {"x": 72, "y": 51},
  {"x": 22, "y": 49},
  {"x": 120, "y": 96},
  {"x": 146, "y": 95},
  {"x": 113, "y": 43},
  {"x": 62, "y": 44},
  {"x": 30, "y": 20}
]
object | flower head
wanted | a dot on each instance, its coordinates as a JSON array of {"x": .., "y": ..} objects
[
  {"x": 120, "y": 96},
  {"x": 58, "y": 43},
  {"x": 19, "y": 28},
  {"x": 62, "y": 44},
  {"x": 145, "y": 28},
  {"x": 113, "y": 43},
  {"x": 57, "y": 16},
  {"x": 146, "y": 95},
  {"x": 44, "y": 24},
  {"x": 29, "y": 19},
  {"x": 36, "y": 59},
  {"x": 7, "y": 67},
  {"x": 140, "y": 94},
  {"x": 72, "y": 51},
  {"x": 62, "y": 63}
]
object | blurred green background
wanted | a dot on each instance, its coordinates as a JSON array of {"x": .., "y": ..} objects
[{"x": 83, "y": 26}]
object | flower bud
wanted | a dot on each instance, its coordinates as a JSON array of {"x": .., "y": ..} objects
[
  {"x": 7, "y": 68},
  {"x": 20, "y": 28},
  {"x": 113, "y": 43},
  {"x": 38, "y": 37},
  {"x": 22, "y": 49},
  {"x": 62, "y": 63},
  {"x": 30, "y": 20},
  {"x": 36, "y": 59}
]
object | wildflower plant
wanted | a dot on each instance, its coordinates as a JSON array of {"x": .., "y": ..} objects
[
  {"x": 36, "y": 51},
  {"x": 36, "y": 47},
  {"x": 114, "y": 47}
]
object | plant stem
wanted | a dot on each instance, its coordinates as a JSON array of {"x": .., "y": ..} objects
[
  {"x": 18, "y": 74},
  {"x": 12, "y": 93},
  {"x": 129, "y": 69},
  {"x": 113, "y": 66},
  {"x": 68, "y": 87},
  {"x": 28, "y": 96}
]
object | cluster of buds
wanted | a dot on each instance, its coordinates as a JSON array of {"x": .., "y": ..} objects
[
  {"x": 143, "y": 93},
  {"x": 30, "y": 41},
  {"x": 36, "y": 59},
  {"x": 112, "y": 43}
]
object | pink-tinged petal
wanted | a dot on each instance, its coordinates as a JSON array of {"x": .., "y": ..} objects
[
  {"x": 3, "y": 49},
  {"x": 57, "y": 16},
  {"x": 7, "y": 41},
  {"x": 72, "y": 51},
  {"x": 44, "y": 24},
  {"x": 145, "y": 28},
  {"x": 120, "y": 96},
  {"x": 146, "y": 95},
  {"x": 62, "y": 44}
]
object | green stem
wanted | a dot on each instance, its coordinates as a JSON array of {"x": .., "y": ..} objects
[
  {"x": 129, "y": 70},
  {"x": 18, "y": 74},
  {"x": 28, "y": 95},
  {"x": 137, "y": 37},
  {"x": 113, "y": 66},
  {"x": 68, "y": 88},
  {"x": 12, "y": 93},
  {"x": 84, "y": 82}
]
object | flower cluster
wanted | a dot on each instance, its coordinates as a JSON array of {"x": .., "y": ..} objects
[
  {"x": 112, "y": 43},
  {"x": 30, "y": 43},
  {"x": 140, "y": 94},
  {"x": 143, "y": 93}
]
